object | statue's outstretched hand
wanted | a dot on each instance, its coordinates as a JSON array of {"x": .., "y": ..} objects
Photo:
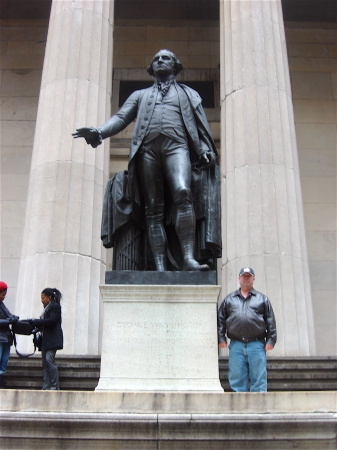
[
  {"x": 90, "y": 134},
  {"x": 206, "y": 160}
]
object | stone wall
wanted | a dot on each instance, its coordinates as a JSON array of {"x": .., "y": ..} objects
[{"x": 312, "y": 58}]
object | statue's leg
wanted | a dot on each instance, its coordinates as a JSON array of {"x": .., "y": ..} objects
[
  {"x": 158, "y": 244},
  {"x": 151, "y": 181},
  {"x": 178, "y": 175}
]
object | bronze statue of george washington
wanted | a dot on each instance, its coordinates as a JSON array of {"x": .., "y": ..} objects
[{"x": 172, "y": 186}]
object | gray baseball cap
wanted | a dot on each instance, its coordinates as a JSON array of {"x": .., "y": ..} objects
[{"x": 247, "y": 270}]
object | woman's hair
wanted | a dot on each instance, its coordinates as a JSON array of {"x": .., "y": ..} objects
[
  {"x": 178, "y": 67},
  {"x": 53, "y": 293}
]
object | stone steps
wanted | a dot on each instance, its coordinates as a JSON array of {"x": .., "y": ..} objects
[
  {"x": 167, "y": 421},
  {"x": 76, "y": 373},
  {"x": 81, "y": 373}
]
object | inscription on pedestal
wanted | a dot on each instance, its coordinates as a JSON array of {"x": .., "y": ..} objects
[{"x": 157, "y": 345}]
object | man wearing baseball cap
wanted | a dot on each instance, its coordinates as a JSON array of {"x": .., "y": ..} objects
[{"x": 246, "y": 317}]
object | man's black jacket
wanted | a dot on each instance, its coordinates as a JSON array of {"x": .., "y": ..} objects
[{"x": 247, "y": 319}]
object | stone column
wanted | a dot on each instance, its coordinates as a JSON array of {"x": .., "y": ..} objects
[
  {"x": 61, "y": 245},
  {"x": 263, "y": 213}
]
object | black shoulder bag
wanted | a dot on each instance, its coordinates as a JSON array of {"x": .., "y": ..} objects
[{"x": 25, "y": 328}]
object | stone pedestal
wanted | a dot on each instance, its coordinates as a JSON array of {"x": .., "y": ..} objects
[{"x": 159, "y": 338}]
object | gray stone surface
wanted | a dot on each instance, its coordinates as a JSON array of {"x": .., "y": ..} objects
[
  {"x": 78, "y": 420},
  {"x": 26, "y": 401}
]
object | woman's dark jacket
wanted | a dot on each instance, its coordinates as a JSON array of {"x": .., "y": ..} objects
[{"x": 51, "y": 325}]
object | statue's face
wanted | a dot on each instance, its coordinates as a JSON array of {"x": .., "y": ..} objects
[{"x": 163, "y": 63}]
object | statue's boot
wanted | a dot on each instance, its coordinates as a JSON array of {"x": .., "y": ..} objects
[
  {"x": 192, "y": 264},
  {"x": 158, "y": 244},
  {"x": 185, "y": 229}
]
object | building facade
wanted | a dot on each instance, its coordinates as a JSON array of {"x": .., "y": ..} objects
[{"x": 267, "y": 73}]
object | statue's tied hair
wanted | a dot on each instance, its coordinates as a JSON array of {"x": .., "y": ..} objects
[
  {"x": 178, "y": 67},
  {"x": 53, "y": 293}
]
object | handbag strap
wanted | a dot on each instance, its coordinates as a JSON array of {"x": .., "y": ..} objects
[{"x": 20, "y": 354}]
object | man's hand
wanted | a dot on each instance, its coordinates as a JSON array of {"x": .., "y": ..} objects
[
  {"x": 90, "y": 134},
  {"x": 223, "y": 344},
  {"x": 268, "y": 347}
]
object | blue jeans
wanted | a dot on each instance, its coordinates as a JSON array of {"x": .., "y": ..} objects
[
  {"x": 247, "y": 365},
  {"x": 4, "y": 356}
]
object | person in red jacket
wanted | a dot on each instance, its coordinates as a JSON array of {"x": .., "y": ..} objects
[{"x": 52, "y": 336}]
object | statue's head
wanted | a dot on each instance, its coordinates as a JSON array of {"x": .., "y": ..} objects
[{"x": 165, "y": 60}]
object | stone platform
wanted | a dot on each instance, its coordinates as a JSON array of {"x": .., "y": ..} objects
[{"x": 167, "y": 421}]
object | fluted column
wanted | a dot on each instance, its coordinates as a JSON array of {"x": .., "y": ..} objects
[
  {"x": 61, "y": 245},
  {"x": 263, "y": 213}
]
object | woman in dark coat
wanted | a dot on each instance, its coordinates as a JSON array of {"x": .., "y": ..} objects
[{"x": 52, "y": 336}]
